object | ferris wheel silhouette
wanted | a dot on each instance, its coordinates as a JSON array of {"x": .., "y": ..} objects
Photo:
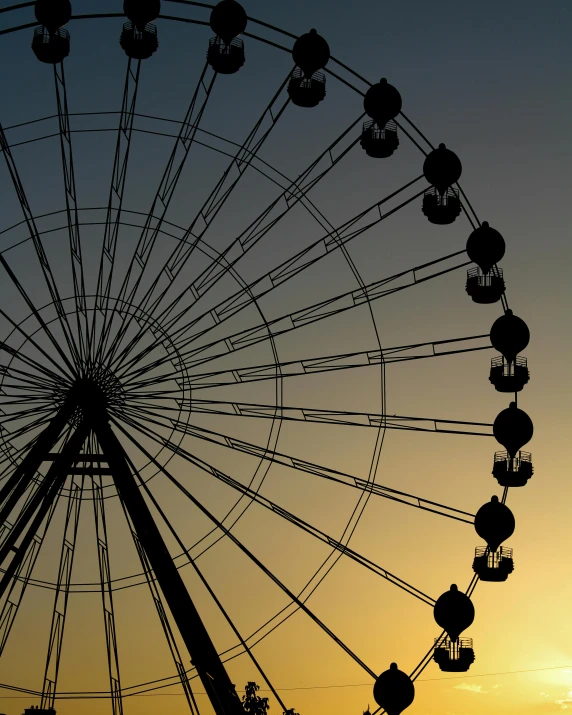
[{"x": 139, "y": 345}]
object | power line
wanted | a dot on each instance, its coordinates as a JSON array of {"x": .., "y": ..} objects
[{"x": 319, "y": 687}]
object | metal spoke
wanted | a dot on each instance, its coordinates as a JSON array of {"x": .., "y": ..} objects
[
  {"x": 39, "y": 506},
  {"x": 9, "y": 456},
  {"x": 300, "y": 465},
  {"x": 305, "y": 316},
  {"x": 163, "y": 196},
  {"x": 17, "y": 353},
  {"x": 43, "y": 260},
  {"x": 116, "y": 192},
  {"x": 24, "y": 390},
  {"x": 7, "y": 526},
  {"x": 249, "y": 293},
  {"x": 26, "y": 380},
  {"x": 15, "y": 434},
  {"x": 202, "y": 221},
  {"x": 288, "y": 516},
  {"x": 26, "y": 394},
  {"x": 247, "y": 552},
  {"x": 12, "y": 416},
  {"x": 61, "y": 596},
  {"x": 21, "y": 580},
  {"x": 23, "y": 399},
  {"x": 311, "y": 366},
  {"x": 16, "y": 484},
  {"x": 38, "y": 495},
  {"x": 71, "y": 209},
  {"x": 295, "y": 192},
  {"x": 418, "y": 131},
  {"x": 339, "y": 417}
]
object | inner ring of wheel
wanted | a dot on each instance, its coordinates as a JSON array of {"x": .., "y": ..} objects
[{"x": 150, "y": 323}]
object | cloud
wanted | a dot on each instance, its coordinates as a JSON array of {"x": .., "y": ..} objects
[
  {"x": 567, "y": 702},
  {"x": 470, "y": 688}
]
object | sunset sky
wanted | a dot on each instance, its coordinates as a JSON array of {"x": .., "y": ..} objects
[{"x": 492, "y": 81}]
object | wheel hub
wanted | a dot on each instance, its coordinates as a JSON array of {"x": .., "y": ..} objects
[{"x": 98, "y": 389}]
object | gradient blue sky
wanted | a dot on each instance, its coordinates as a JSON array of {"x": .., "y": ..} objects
[{"x": 492, "y": 80}]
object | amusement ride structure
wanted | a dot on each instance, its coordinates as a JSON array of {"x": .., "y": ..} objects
[{"x": 107, "y": 358}]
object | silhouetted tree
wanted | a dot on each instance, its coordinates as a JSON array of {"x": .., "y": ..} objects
[{"x": 252, "y": 703}]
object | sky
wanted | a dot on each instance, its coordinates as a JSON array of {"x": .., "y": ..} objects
[{"x": 491, "y": 80}]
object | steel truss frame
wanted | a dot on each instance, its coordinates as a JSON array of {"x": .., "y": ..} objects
[{"x": 163, "y": 618}]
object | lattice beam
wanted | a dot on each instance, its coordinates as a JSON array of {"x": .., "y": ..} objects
[
  {"x": 107, "y": 597},
  {"x": 71, "y": 208},
  {"x": 61, "y": 596},
  {"x": 116, "y": 191},
  {"x": 311, "y": 366}
]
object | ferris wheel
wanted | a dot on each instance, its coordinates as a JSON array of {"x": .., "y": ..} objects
[{"x": 191, "y": 335}]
